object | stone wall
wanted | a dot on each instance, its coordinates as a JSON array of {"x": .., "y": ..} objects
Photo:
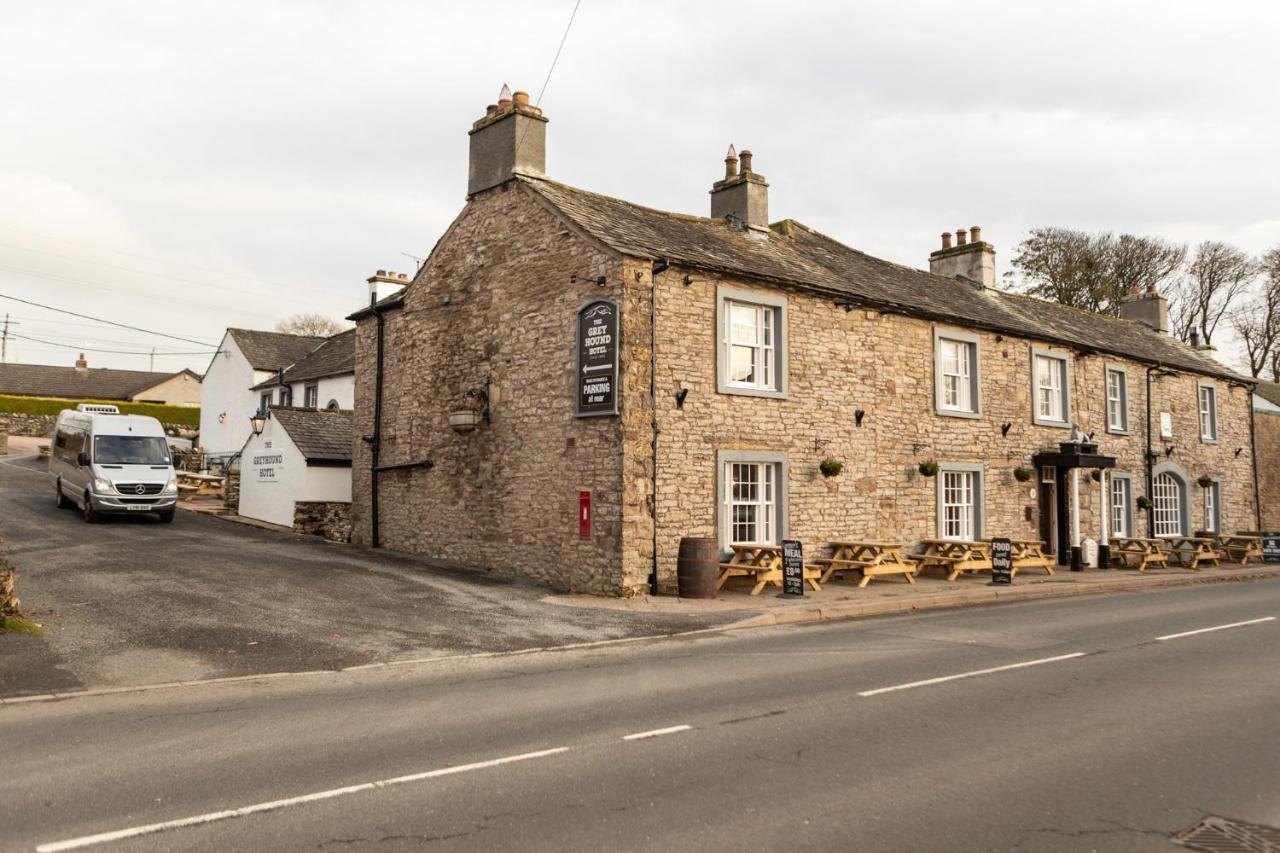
[
  {"x": 495, "y": 307},
  {"x": 231, "y": 491},
  {"x": 4, "y": 442},
  {"x": 15, "y": 423},
  {"x": 330, "y": 519},
  {"x": 1267, "y": 427},
  {"x": 843, "y": 361}
]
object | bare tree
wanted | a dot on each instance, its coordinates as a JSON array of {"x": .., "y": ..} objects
[
  {"x": 1257, "y": 322},
  {"x": 1093, "y": 271},
  {"x": 313, "y": 325},
  {"x": 1217, "y": 277}
]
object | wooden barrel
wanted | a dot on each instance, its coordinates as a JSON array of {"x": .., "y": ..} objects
[{"x": 698, "y": 567}]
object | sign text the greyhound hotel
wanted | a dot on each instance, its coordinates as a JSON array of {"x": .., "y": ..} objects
[{"x": 597, "y": 364}]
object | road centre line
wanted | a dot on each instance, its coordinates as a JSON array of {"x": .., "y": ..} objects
[
  {"x": 669, "y": 730},
  {"x": 211, "y": 817},
  {"x": 971, "y": 674},
  {"x": 1217, "y": 628}
]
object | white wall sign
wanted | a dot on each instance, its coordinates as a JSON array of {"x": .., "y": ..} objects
[{"x": 1166, "y": 425}]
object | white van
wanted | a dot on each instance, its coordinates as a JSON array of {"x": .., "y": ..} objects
[{"x": 103, "y": 461}]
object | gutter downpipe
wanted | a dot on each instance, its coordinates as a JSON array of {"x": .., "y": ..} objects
[
  {"x": 1253, "y": 452},
  {"x": 661, "y": 265},
  {"x": 1147, "y": 459}
]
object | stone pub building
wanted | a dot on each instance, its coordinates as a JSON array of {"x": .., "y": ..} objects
[{"x": 572, "y": 383}]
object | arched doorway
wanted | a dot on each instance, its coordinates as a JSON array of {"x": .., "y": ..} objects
[{"x": 1169, "y": 504}]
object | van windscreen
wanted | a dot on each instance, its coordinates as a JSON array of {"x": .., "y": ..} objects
[{"x": 130, "y": 450}]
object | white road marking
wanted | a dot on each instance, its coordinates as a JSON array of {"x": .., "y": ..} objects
[
  {"x": 669, "y": 730},
  {"x": 1217, "y": 628},
  {"x": 135, "y": 831},
  {"x": 944, "y": 678}
]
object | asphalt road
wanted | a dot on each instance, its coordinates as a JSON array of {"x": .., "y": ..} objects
[
  {"x": 132, "y": 601},
  {"x": 1096, "y": 736}
]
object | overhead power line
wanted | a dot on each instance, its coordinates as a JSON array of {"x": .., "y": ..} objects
[
  {"x": 108, "y": 351},
  {"x": 108, "y": 322}
]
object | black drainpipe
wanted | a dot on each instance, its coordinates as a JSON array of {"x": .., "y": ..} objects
[
  {"x": 1151, "y": 528},
  {"x": 376, "y": 442},
  {"x": 659, "y": 266}
]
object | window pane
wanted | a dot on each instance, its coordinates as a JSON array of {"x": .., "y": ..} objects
[
  {"x": 742, "y": 365},
  {"x": 742, "y": 324}
]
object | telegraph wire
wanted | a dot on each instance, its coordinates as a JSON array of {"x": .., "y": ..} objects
[
  {"x": 107, "y": 322},
  {"x": 108, "y": 351},
  {"x": 551, "y": 70}
]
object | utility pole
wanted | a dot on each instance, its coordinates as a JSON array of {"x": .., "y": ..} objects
[
  {"x": 4, "y": 341},
  {"x": 153, "y": 359}
]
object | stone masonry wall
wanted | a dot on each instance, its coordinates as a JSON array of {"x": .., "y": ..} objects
[
  {"x": 1267, "y": 428},
  {"x": 231, "y": 491},
  {"x": 841, "y": 361},
  {"x": 330, "y": 519},
  {"x": 495, "y": 306},
  {"x": 15, "y": 423}
]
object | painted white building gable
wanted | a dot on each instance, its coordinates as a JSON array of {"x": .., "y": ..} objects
[{"x": 226, "y": 403}]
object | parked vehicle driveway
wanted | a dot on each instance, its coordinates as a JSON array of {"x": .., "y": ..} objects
[{"x": 131, "y": 601}]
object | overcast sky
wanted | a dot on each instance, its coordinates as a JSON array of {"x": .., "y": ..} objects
[{"x": 186, "y": 167}]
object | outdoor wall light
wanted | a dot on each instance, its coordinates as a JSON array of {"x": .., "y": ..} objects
[
  {"x": 680, "y": 395},
  {"x": 598, "y": 279},
  {"x": 687, "y": 280},
  {"x": 858, "y": 416},
  {"x": 258, "y": 421},
  {"x": 1168, "y": 451},
  {"x": 1004, "y": 428},
  {"x": 1238, "y": 449}
]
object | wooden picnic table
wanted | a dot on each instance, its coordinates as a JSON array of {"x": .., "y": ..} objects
[
  {"x": 1140, "y": 553},
  {"x": 955, "y": 556},
  {"x": 869, "y": 558},
  {"x": 764, "y": 564},
  {"x": 1191, "y": 551},
  {"x": 1029, "y": 554},
  {"x": 1240, "y": 547}
]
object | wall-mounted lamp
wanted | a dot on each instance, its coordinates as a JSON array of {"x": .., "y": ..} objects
[
  {"x": 999, "y": 338},
  {"x": 1004, "y": 428},
  {"x": 687, "y": 280},
  {"x": 1238, "y": 450},
  {"x": 258, "y": 422},
  {"x": 819, "y": 443},
  {"x": 847, "y": 306},
  {"x": 680, "y": 395},
  {"x": 858, "y": 416},
  {"x": 1168, "y": 451},
  {"x": 599, "y": 279}
]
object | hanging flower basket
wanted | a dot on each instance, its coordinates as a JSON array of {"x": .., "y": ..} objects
[
  {"x": 1144, "y": 502},
  {"x": 1205, "y": 482},
  {"x": 464, "y": 420},
  {"x": 830, "y": 467},
  {"x": 1022, "y": 475},
  {"x": 929, "y": 469}
]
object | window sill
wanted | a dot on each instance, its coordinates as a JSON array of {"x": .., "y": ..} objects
[
  {"x": 1051, "y": 424},
  {"x": 735, "y": 391},
  {"x": 956, "y": 413},
  {"x": 1208, "y": 440},
  {"x": 1111, "y": 431}
]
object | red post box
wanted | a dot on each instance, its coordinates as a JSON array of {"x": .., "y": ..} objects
[{"x": 584, "y": 515}]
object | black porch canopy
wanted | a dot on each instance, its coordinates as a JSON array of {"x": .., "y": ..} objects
[{"x": 1076, "y": 454}]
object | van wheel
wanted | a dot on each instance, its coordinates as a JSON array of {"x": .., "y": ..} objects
[
  {"x": 62, "y": 502},
  {"x": 166, "y": 517},
  {"x": 90, "y": 516}
]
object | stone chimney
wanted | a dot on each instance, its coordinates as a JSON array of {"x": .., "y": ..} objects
[
  {"x": 1147, "y": 307},
  {"x": 970, "y": 258},
  {"x": 510, "y": 139},
  {"x": 81, "y": 364},
  {"x": 742, "y": 195},
  {"x": 383, "y": 283}
]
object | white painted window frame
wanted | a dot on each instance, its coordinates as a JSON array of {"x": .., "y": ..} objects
[
  {"x": 1064, "y": 388},
  {"x": 1182, "y": 489},
  {"x": 1211, "y": 507},
  {"x": 1208, "y": 415},
  {"x": 974, "y": 474},
  {"x": 724, "y": 494},
  {"x": 1122, "y": 375},
  {"x": 1121, "y": 513},
  {"x": 970, "y": 378},
  {"x": 763, "y": 302}
]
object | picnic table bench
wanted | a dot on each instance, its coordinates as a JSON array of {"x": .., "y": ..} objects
[
  {"x": 1239, "y": 547},
  {"x": 1029, "y": 554},
  {"x": 1127, "y": 551},
  {"x": 764, "y": 564},
  {"x": 1191, "y": 551},
  {"x": 955, "y": 556},
  {"x": 869, "y": 558}
]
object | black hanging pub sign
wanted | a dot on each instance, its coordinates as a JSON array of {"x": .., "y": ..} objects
[{"x": 597, "y": 362}]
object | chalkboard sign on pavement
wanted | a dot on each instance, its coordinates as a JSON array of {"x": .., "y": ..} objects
[
  {"x": 1271, "y": 547},
  {"x": 792, "y": 568},
  {"x": 1001, "y": 562}
]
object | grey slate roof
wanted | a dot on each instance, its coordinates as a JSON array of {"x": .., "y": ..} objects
[
  {"x": 321, "y": 436},
  {"x": 273, "y": 350},
  {"x": 1269, "y": 391},
  {"x": 793, "y": 254},
  {"x": 335, "y": 356},
  {"x": 94, "y": 383},
  {"x": 395, "y": 300}
]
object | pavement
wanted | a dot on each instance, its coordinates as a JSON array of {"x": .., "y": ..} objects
[
  {"x": 1101, "y": 723},
  {"x": 132, "y": 602}
]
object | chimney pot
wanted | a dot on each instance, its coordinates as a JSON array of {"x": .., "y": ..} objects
[
  {"x": 971, "y": 261},
  {"x": 975, "y": 234},
  {"x": 491, "y": 109},
  {"x": 382, "y": 272},
  {"x": 731, "y": 163},
  {"x": 521, "y": 99},
  {"x": 962, "y": 236},
  {"x": 81, "y": 364},
  {"x": 403, "y": 277},
  {"x": 745, "y": 157},
  {"x": 946, "y": 239},
  {"x": 504, "y": 97}
]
